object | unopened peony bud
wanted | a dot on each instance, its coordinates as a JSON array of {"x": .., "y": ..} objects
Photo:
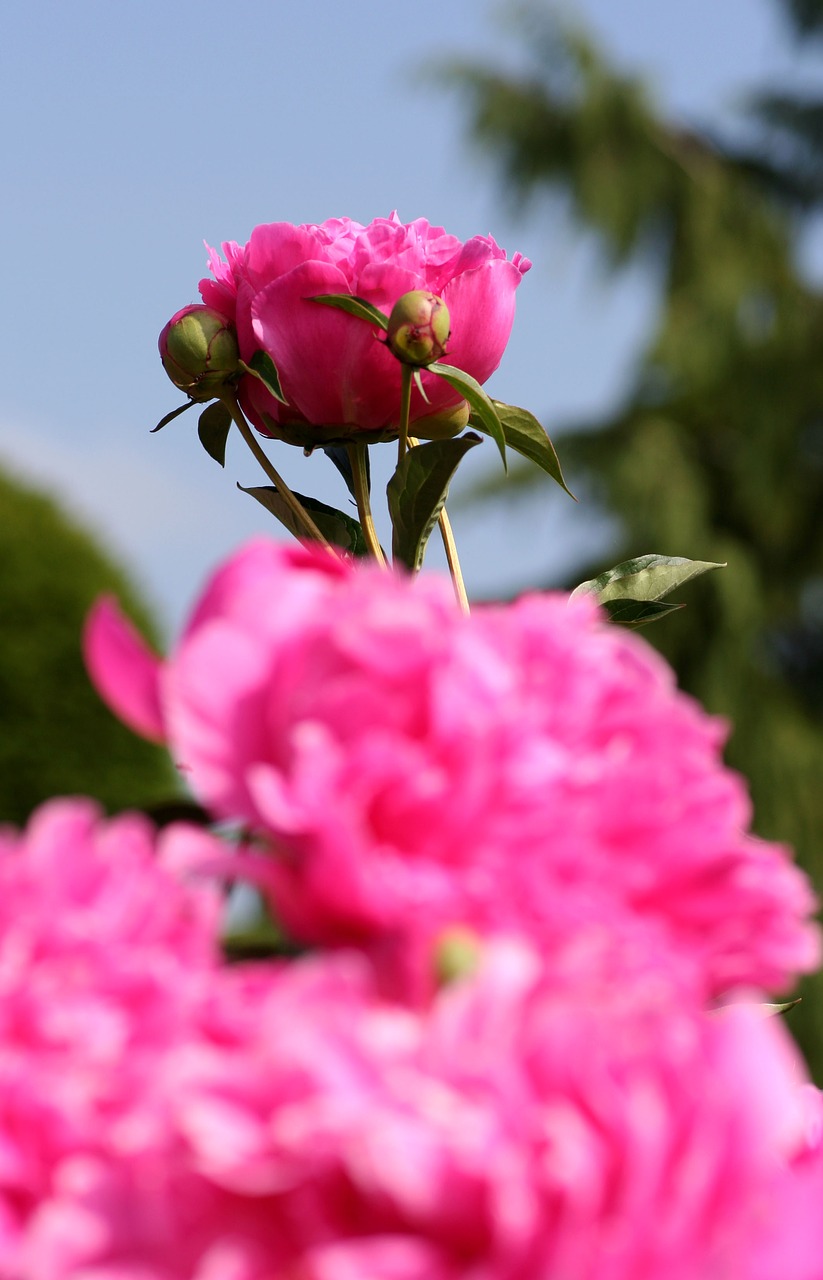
[
  {"x": 419, "y": 328},
  {"x": 457, "y": 954},
  {"x": 199, "y": 351}
]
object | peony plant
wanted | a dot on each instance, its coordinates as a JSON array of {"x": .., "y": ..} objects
[{"x": 460, "y": 962}]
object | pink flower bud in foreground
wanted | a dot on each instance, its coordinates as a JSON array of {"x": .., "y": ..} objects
[
  {"x": 199, "y": 351},
  {"x": 419, "y": 327}
]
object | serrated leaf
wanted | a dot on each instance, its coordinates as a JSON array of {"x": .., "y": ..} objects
[
  {"x": 528, "y": 436},
  {"x": 354, "y": 306},
  {"x": 336, "y": 527},
  {"x": 213, "y": 431},
  {"x": 339, "y": 455},
  {"x": 638, "y": 613},
  {"x": 175, "y": 413},
  {"x": 262, "y": 367},
  {"x": 647, "y": 577},
  {"x": 483, "y": 410},
  {"x": 417, "y": 492}
]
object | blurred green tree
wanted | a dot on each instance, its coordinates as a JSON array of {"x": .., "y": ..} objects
[
  {"x": 57, "y": 737},
  {"x": 716, "y": 452}
]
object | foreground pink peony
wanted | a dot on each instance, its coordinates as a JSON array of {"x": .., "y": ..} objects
[
  {"x": 167, "y": 1117},
  {"x": 339, "y": 380},
  {"x": 530, "y": 770}
]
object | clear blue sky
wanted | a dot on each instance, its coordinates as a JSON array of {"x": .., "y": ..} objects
[{"x": 134, "y": 131}]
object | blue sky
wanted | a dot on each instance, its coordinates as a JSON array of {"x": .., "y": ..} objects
[{"x": 134, "y": 131}]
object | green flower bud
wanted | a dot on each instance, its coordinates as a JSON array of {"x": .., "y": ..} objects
[
  {"x": 457, "y": 954},
  {"x": 419, "y": 328},
  {"x": 198, "y": 348}
]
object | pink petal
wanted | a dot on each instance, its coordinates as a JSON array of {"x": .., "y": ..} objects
[{"x": 123, "y": 670}]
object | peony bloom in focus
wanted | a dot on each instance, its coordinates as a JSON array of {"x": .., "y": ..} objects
[
  {"x": 530, "y": 770},
  {"x": 339, "y": 379}
]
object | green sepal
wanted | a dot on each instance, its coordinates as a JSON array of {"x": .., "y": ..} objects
[
  {"x": 526, "y": 435},
  {"x": 417, "y": 493},
  {"x": 645, "y": 578},
  {"x": 638, "y": 613},
  {"x": 336, "y": 527},
  {"x": 213, "y": 431},
  {"x": 354, "y": 306},
  {"x": 773, "y": 1009},
  {"x": 485, "y": 415},
  {"x": 262, "y": 367},
  {"x": 175, "y": 413}
]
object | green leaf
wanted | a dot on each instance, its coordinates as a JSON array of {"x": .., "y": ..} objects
[
  {"x": 638, "y": 613},
  {"x": 483, "y": 410},
  {"x": 338, "y": 528},
  {"x": 646, "y": 578},
  {"x": 339, "y": 455},
  {"x": 213, "y": 430},
  {"x": 417, "y": 492},
  {"x": 526, "y": 435},
  {"x": 262, "y": 367},
  {"x": 175, "y": 413},
  {"x": 355, "y": 306}
]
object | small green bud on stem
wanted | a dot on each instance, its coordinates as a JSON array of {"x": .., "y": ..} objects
[
  {"x": 419, "y": 328},
  {"x": 198, "y": 348}
]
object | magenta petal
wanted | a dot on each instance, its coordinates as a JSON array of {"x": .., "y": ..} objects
[
  {"x": 123, "y": 669},
  {"x": 481, "y": 305},
  {"x": 332, "y": 366}
]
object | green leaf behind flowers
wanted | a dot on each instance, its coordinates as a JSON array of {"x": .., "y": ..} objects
[
  {"x": 262, "y": 367},
  {"x": 525, "y": 434},
  {"x": 417, "y": 493},
  {"x": 354, "y": 306},
  {"x": 638, "y": 613},
  {"x": 483, "y": 409},
  {"x": 213, "y": 430},
  {"x": 175, "y": 413},
  {"x": 337, "y": 527},
  {"x": 647, "y": 578}
]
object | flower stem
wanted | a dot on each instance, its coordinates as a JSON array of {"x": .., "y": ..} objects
[
  {"x": 406, "y": 375},
  {"x": 357, "y": 457},
  {"x": 297, "y": 509},
  {"x": 454, "y": 564},
  {"x": 450, "y": 547}
]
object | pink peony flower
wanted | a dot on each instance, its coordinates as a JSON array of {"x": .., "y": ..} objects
[
  {"x": 167, "y": 1117},
  {"x": 584, "y": 1124},
  {"x": 104, "y": 957},
  {"x": 338, "y": 378},
  {"x": 530, "y": 770}
]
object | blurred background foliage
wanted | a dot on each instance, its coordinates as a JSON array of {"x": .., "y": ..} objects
[
  {"x": 56, "y": 736},
  {"x": 716, "y": 450}
]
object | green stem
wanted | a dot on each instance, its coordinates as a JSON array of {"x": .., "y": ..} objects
[
  {"x": 407, "y": 373},
  {"x": 295, "y": 506},
  {"x": 357, "y": 457},
  {"x": 450, "y": 547},
  {"x": 454, "y": 564}
]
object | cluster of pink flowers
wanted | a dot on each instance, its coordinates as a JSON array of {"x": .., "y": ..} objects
[
  {"x": 524, "y": 794},
  {"x": 527, "y": 1040},
  {"x": 168, "y": 1117}
]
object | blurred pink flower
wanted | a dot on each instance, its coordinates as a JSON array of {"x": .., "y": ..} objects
[
  {"x": 105, "y": 955},
  {"x": 586, "y": 1123},
  {"x": 338, "y": 378},
  {"x": 168, "y": 1117},
  {"x": 529, "y": 770}
]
